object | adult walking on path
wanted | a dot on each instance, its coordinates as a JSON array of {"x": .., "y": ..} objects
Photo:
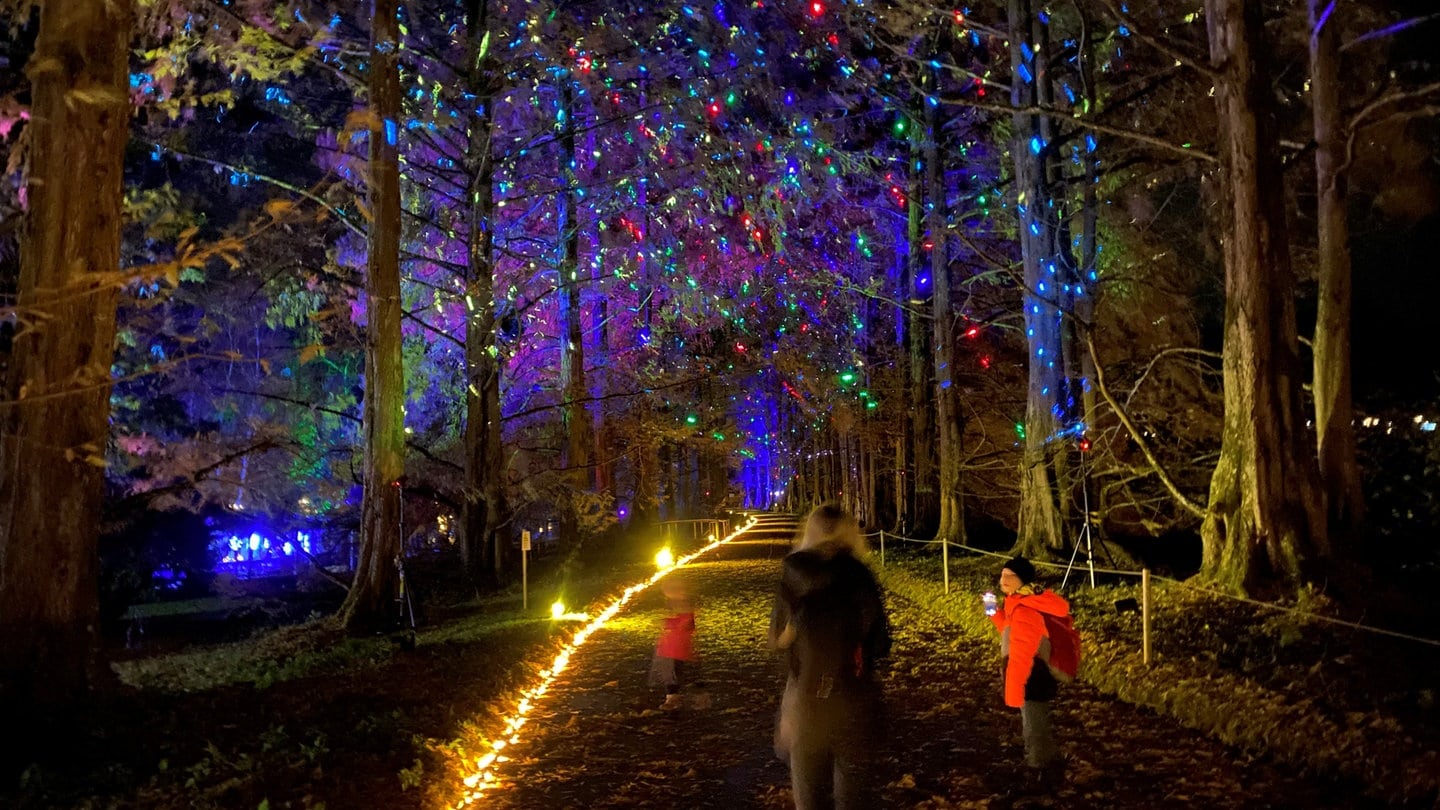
[
  {"x": 829, "y": 622},
  {"x": 596, "y": 740}
]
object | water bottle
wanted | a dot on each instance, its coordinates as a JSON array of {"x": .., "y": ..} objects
[{"x": 991, "y": 604}]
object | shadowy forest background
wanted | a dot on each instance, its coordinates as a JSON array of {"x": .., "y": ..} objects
[{"x": 306, "y": 286}]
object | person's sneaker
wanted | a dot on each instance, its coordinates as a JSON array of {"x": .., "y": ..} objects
[{"x": 673, "y": 701}]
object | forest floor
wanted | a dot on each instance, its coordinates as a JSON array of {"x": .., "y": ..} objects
[{"x": 305, "y": 718}]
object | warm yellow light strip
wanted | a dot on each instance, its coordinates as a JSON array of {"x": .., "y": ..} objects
[{"x": 483, "y": 778}]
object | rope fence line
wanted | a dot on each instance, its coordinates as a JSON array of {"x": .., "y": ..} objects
[{"x": 1146, "y": 575}]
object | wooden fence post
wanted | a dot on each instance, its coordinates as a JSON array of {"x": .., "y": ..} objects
[
  {"x": 945, "y": 557},
  {"x": 1145, "y": 615}
]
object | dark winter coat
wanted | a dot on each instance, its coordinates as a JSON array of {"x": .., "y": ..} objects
[
  {"x": 829, "y": 621},
  {"x": 828, "y": 582}
]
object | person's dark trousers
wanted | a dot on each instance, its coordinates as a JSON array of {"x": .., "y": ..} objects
[
  {"x": 1039, "y": 733},
  {"x": 829, "y": 764}
]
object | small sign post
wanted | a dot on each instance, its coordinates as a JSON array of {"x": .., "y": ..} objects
[{"x": 525, "y": 569}]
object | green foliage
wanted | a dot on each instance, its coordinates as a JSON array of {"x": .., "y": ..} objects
[
  {"x": 294, "y": 306},
  {"x": 413, "y": 776},
  {"x": 162, "y": 213},
  {"x": 309, "y": 462}
]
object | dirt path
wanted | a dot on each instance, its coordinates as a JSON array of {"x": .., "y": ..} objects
[{"x": 598, "y": 740}]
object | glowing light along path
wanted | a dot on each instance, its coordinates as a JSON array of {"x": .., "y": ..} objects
[{"x": 483, "y": 779}]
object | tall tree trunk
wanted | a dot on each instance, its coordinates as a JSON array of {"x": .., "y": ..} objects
[
  {"x": 369, "y": 602},
  {"x": 904, "y": 475},
  {"x": 1265, "y": 524},
  {"x": 1039, "y": 520},
  {"x": 573, "y": 390},
  {"x": 599, "y": 430},
  {"x": 484, "y": 510},
  {"x": 57, "y": 390},
  {"x": 601, "y": 452},
  {"x": 644, "y": 457},
  {"x": 947, "y": 392},
  {"x": 1339, "y": 472},
  {"x": 1087, "y": 270},
  {"x": 925, "y": 506}
]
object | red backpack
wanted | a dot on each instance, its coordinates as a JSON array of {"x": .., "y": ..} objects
[{"x": 1064, "y": 658}]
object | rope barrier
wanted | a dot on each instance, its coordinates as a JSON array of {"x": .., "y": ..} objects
[
  {"x": 1212, "y": 592},
  {"x": 1317, "y": 616}
]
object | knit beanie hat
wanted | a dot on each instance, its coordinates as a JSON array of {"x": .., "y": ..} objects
[{"x": 1022, "y": 568}]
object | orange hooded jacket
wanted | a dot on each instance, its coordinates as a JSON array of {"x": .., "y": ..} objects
[{"x": 1022, "y": 634}]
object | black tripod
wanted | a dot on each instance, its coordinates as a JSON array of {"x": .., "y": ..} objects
[
  {"x": 1086, "y": 535},
  {"x": 404, "y": 607}
]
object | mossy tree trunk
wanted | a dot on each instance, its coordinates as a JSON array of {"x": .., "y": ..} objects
[
  {"x": 370, "y": 602},
  {"x": 57, "y": 390},
  {"x": 1265, "y": 524},
  {"x": 1334, "y": 411}
]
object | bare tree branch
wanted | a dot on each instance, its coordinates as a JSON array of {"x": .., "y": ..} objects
[{"x": 1135, "y": 434}]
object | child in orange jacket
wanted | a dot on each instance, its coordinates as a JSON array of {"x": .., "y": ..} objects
[{"x": 1024, "y": 648}]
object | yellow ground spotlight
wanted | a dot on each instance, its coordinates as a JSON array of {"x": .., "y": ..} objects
[{"x": 664, "y": 558}]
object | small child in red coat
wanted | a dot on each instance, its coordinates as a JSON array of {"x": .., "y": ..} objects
[{"x": 675, "y": 650}]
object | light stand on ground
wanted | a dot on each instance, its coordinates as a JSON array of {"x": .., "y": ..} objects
[
  {"x": 1085, "y": 535},
  {"x": 404, "y": 606}
]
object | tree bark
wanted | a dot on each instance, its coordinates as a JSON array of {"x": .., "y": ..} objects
[
  {"x": 904, "y": 442},
  {"x": 369, "y": 602},
  {"x": 1039, "y": 520},
  {"x": 57, "y": 390},
  {"x": 482, "y": 547},
  {"x": 924, "y": 506},
  {"x": 1334, "y": 413},
  {"x": 1265, "y": 524},
  {"x": 947, "y": 393},
  {"x": 572, "y": 325}
]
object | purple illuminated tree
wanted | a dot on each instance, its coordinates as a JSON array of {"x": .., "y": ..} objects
[{"x": 370, "y": 597}]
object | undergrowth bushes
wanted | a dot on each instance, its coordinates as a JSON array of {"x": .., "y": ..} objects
[{"x": 1255, "y": 681}]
